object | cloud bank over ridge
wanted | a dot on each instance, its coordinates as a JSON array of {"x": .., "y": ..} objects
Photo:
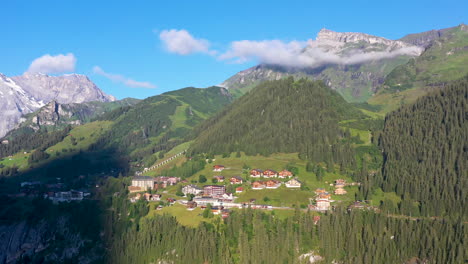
[{"x": 302, "y": 54}]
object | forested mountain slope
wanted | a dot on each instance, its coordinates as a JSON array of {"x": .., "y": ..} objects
[
  {"x": 281, "y": 116},
  {"x": 256, "y": 236},
  {"x": 425, "y": 147}
]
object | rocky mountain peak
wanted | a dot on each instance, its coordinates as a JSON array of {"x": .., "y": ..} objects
[
  {"x": 326, "y": 35},
  {"x": 27, "y": 93},
  {"x": 65, "y": 89}
]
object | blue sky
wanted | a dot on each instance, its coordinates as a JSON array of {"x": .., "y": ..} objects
[{"x": 120, "y": 44}]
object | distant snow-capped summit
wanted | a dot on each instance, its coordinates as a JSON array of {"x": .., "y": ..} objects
[
  {"x": 24, "y": 94},
  {"x": 65, "y": 89}
]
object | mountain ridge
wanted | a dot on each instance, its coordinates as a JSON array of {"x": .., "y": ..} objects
[{"x": 354, "y": 64}]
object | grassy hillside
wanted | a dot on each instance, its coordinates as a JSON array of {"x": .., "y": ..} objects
[
  {"x": 443, "y": 62},
  {"x": 159, "y": 123},
  {"x": 77, "y": 139},
  {"x": 282, "y": 116}
]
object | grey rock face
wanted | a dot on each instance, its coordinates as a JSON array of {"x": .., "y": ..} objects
[
  {"x": 22, "y": 239},
  {"x": 65, "y": 89},
  {"x": 50, "y": 115},
  {"x": 14, "y": 102},
  {"x": 339, "y": 39},
  {"x": 24, "y": 94}
]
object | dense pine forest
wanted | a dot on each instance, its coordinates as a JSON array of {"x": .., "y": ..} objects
[
  {"x": 251, "y": 236},
  {"x": 282, "y": 116},
  {"x": 425, "y": 148}
]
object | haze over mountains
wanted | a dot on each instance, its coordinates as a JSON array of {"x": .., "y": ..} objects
[{"x": 24, "y": 94}]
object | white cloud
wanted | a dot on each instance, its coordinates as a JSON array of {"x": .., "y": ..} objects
[
  {"x": 122, "y": 79},
  {"x": 183, "y": 43},
  {"x": 53, "y": 64},
  {"x": 301, "y": 53},
  {"x": 267, "y": 51}
]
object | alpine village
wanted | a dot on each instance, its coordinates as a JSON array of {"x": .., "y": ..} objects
[{"x": 359, "y": 158}]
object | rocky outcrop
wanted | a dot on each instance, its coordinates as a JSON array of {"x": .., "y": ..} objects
[
  {"x": 52, "y": 241},
  {"x": 49, "y": 115}
]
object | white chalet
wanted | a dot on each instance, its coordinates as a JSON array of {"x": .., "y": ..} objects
[{"x": 293, "y": 183}]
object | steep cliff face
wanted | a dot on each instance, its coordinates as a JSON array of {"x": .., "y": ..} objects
[
  {"x": 25, "y": 94},
  {"x": 354, "y": 64},
  {"x": 51, "y": 114},
  {"x": 49, "y": 241}
]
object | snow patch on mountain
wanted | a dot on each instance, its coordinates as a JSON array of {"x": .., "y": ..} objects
[{"x": 27, "y": 93}]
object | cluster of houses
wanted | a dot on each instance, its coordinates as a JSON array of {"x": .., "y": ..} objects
[
  {"x": 68, "y": 196},
  {"x": 270, "y": 184},
  {"x": 53, "y": 191},
  {"x": 208, "y": 192},
  {"x": 216, "y": 210},
  {"x": 274, "y": 184},
  {"x": 215, "y": 195},
  {"x": 232, "y": 180},
  {"x": 339, "y": 187},
  {"x": 257, "y": 173},
  {"x": 220, "y": 200},
  {"x": 147, "y": 196},
  {"x": 144, "y": 183},
  {"x": 322, "y": 200}
]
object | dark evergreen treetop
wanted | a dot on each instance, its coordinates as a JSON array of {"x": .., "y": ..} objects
[
  {"x": 425, "y": 147},
  {"x": 279, "y": 116}
]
